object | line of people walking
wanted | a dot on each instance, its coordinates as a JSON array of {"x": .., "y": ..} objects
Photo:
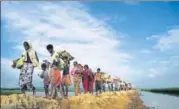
[{"x": 57, "y": 74}]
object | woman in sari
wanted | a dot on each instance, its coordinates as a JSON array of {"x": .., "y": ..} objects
[
  {"x": 85, "y": 78},
  {"x": 29, "y": 62},
  {"x": 76, "y": 74}
]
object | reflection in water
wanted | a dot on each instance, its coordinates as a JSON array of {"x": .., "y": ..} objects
[
  {"x": 152, "y": 100},
  {"x": 160, "y": 101}
]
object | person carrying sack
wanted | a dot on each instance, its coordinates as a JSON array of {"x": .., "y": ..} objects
[
  {"x": 66, "y": 76},
  {"x": 26, "y": 63}
]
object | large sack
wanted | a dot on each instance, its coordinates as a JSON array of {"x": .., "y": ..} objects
[{"x": 65, "y": 54}]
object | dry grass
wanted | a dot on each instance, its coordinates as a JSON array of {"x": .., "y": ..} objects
[{"x": 108, "y": 100}]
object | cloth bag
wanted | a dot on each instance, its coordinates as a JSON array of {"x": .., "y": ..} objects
[
  {"x": 18, "y": 63},
  {"x": 67, "y": 80}
]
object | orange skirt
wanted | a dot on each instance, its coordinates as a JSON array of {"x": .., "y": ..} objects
[{"x": 55, "y": 77}]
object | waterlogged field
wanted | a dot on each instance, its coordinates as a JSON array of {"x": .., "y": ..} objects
[{"x": 172, "y": 91}]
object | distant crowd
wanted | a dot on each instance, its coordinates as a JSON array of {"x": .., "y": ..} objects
[{"x": 57, "y": 74}]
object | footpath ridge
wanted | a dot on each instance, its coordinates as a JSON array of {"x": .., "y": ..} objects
[{"x": 108, "y": 100}]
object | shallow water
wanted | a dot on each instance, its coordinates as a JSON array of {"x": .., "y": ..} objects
[{"x": 160, "y": 101}]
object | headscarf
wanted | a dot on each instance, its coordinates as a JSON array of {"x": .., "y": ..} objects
[
  {"x": 75, "y": 68},
  {"x": 30, "y": 45},
  {"x": 31, "y": 50}
]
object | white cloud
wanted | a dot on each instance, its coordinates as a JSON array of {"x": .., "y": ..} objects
[
  {"x": 69, "y": 26},
  {"x": 167, "y": 41},
  {"x": 153, "y": 37},
  {"x": 153, "y": 73},
  {"x": 8, "y": 74}
]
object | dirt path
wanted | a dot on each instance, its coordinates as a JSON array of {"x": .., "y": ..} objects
[{"x": 108, "y": 100}]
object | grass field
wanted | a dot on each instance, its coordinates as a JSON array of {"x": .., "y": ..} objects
[
  {"x": 9, "y": 91},
  {"x": 172, "y": 91}
]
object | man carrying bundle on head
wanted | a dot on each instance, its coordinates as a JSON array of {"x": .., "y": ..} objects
[
  {"x": 66, "y": 79},
  {"x": 55, "y": 76}
]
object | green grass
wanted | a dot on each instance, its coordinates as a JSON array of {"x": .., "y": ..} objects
[
  {"x": 9, "y": 91},
  {"x": 172, "y": 91}
]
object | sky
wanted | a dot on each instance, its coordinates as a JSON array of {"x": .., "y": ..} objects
[{"x": 136, "y": 41}]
